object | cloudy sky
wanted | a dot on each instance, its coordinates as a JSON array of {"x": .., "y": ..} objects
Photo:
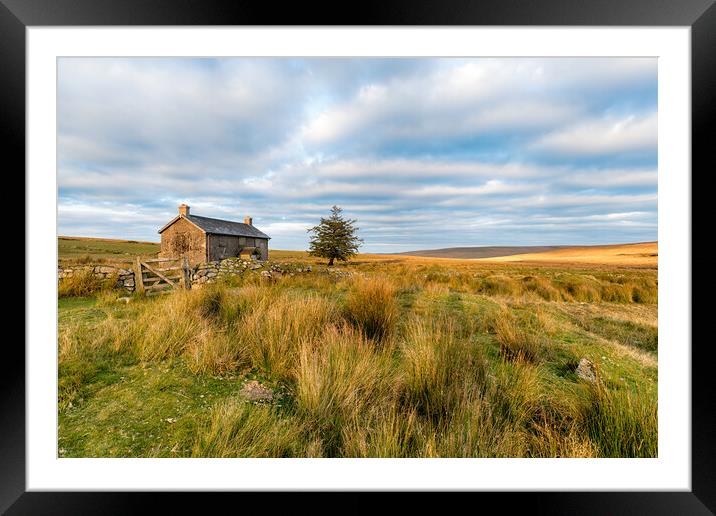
[{"x": 424, "y": 153}]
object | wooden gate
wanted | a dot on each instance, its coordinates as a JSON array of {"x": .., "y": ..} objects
[{"x": 161, "y": 275}]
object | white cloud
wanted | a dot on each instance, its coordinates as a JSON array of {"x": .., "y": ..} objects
[
  {"x": 405, "y": 146},
  {"x": 493, "y": 186},
  {"x": 603, "y": 136},
  {"x": 610, "y": 178}
]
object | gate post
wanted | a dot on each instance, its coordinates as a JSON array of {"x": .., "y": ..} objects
[
  {"x": 138, "y": 279},
  {"x": 186, "y": 272}
]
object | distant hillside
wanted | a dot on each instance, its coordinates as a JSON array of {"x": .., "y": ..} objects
[
  {"x": 642, "y": 254},
  {"x": 482, "y": 252},
  {"x": 102, "y": 249}
]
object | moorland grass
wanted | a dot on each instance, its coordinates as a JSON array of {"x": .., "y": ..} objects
[
  {"x": 399, "y": 362},
  {"x": 83, "y": 283}
]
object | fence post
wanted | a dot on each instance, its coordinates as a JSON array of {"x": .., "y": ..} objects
[
  {"x": 138, "y": 279},
  {"x": 186, "y": 273}
]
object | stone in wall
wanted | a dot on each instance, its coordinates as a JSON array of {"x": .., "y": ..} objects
[{"x": 125, "y": 277}]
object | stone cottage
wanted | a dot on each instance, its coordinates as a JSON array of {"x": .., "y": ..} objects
[{"x": 204, "y": 239}]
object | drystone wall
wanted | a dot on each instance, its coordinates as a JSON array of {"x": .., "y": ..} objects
[
  {"x": 211, "y": 271},
  {"x": 201, "y": 273},
  {"x": 124, "y": 277}
]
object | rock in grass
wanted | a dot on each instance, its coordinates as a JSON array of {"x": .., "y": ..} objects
[
  {"x": 255, "y": 392},
  {"x": 586, "y": 370}
]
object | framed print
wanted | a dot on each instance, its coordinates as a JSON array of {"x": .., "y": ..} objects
[{"x": 419, "y": 252}]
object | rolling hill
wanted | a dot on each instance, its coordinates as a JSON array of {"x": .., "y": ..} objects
[
  {"x": 637, "y": 254},
  {"x": 479, "y": 252}
]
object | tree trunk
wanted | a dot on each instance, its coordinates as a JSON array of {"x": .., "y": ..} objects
[{"x": 330, "y": 262}]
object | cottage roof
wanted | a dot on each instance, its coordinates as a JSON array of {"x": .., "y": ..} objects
[{"x": 220, "y": 227}]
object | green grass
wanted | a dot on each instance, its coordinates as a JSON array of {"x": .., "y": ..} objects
[
  {"x": 75, "y": 249},
  {"x": 395, "y": 361}
]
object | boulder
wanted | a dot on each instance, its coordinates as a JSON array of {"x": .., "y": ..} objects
[
  {"x": 586, "y": 370},
  {"x": 255, "y": 392}
]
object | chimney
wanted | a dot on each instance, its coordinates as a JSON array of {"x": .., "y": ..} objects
[
  {"x": 248, "y": 220},
  {"x": 184, "y": 210}
]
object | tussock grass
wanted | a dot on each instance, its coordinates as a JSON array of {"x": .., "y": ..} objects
[
  {"x": 516, "y": 341},
  {"x": 83, "y": 283},
  {"x": 499, "y": 284},
  {"x": 385, "y": 432},
  {"x": 434, "y": 361},
  {"x": 274, "y": 331},
  {"x": 372, "y": 306},
  {"x": 239, "y": 429},
  {"x": 394, "y": 361},
  {"x": 618, "y": 293},
  {"x": 338, "y": 378},
  {"x": 166, "y": 329},
  {"x": 646, "y": 293},
  {"x": 542, "y": 287},
  {"x": 582, "y": 288},
  {"x": 622, "y": 423}
]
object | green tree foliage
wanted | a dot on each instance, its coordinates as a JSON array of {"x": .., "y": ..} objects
[{"x": 334, "y": 238}]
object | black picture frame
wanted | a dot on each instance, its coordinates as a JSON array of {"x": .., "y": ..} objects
[{"x": 700, "y": 15}]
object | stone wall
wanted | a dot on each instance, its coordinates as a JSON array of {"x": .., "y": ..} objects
[
  {"x": 124, "y": 277},
  {"x": 200, "y": 273},
  {"x": 211, "y": 271}
]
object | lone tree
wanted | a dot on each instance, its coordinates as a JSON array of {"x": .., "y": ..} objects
[{"x": 334, "y": 238}]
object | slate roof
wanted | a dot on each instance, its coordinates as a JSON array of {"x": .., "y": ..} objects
[{"x": 222, "y": 227}]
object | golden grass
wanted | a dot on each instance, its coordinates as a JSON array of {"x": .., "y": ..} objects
[
  {"x": 642, "y": 254},
  {"x": 83, "y": 283},
  {"x": 399, "y": 360},
  {"x": 516, "y": 342},
  {"x": 621, "y": 424},
  {"x": 372, "y": 307},
  {"x": 337, "y": 378},
  {"x": 239, "y": 429}
]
